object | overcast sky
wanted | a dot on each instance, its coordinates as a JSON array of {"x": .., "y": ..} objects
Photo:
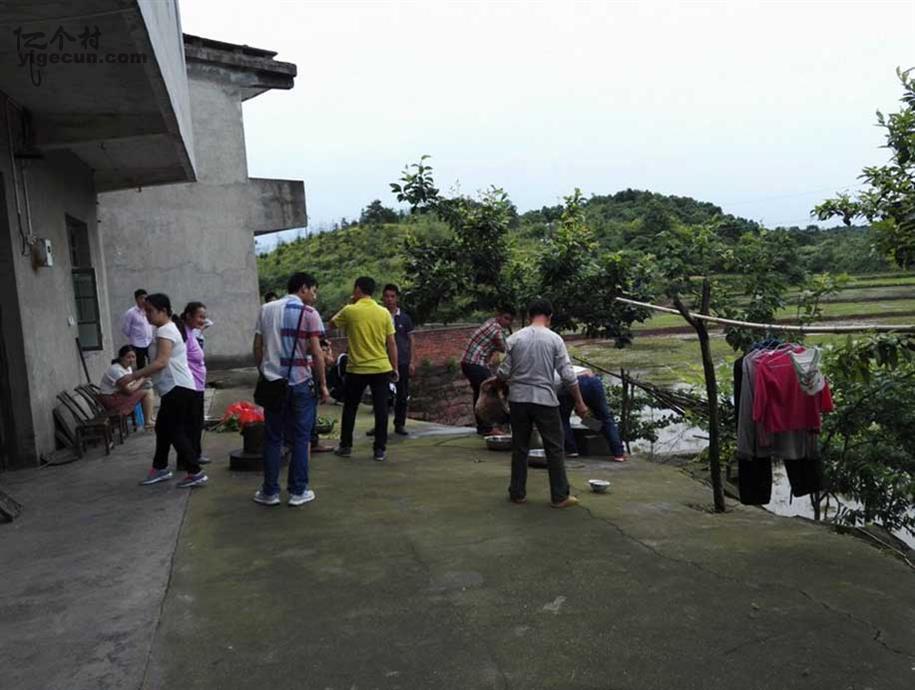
[{"x": 763, "y": 108}]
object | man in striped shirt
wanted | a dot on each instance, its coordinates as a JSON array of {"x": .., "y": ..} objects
[
  {"x": 288, "y": 330},
  {"x": 485, "y": 341}
]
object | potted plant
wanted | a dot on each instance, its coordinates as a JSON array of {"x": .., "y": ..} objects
[{"x": 325, "y": 425}]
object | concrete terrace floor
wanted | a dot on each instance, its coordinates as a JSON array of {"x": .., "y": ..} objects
[{"x": 418, "y": 573}]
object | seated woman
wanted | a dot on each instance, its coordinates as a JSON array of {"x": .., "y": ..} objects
[{"x": 121, "y": 396}]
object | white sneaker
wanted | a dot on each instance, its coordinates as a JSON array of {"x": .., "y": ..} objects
[
  {"x": 265, "y": 500},
  {"x": 299, "y": 499}
]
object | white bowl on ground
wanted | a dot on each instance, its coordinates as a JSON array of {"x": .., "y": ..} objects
[{"x": 599, "y": 486}]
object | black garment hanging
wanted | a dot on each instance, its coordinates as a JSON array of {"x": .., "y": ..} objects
[
  {"x": 805, "y": 476},
  {"x": 754, "y": 480}
]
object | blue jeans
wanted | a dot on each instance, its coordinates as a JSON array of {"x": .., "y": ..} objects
[
  {"x": 293, "y": 424},
  {"x": 595, "y": 397}
]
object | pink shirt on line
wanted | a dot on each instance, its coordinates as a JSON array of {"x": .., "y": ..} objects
[{"x": 779, "y": 403}]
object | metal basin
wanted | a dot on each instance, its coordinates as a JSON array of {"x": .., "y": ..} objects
[{"x": 499, "y": 442}]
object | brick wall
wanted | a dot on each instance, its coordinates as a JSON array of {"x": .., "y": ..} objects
[
  {"x": 438, "y": 392},
  {"x": 435, "y": 345}
]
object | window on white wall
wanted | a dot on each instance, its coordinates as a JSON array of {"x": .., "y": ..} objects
[{"x": 85, "y": 289}]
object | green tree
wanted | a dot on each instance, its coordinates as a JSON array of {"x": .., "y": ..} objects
[
  {"x": 763, "y": 265},
  {"x": 462, "y": 271},
  {"x": 377, "y": 214},
  {"x": 683, "y": 254},
  {"x": 582, "y": 280},
  {"x": 416, "y": 187},
  {"x": 889, "y": 200},
  {"x": 868, "y": 442}
]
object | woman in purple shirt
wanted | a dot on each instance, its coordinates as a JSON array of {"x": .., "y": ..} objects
[{"x": 193, "y": 318}]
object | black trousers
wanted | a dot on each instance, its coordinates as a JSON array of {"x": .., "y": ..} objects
[
  {"x": 175, "y": 426},
  {"x": 754, "y": 478},
  {"x": 476, "y": 374},
  {"x": 354, "y": 387},
  {"x": 403, "y": 395},
  {"x": 525, "y": 418},
  {"x": 142, "y": 356}
]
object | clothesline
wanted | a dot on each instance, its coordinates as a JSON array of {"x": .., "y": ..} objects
[{"x": 879, "y": 328}]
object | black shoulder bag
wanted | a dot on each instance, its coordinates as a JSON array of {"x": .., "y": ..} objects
[{"x": 272, "y": 395}]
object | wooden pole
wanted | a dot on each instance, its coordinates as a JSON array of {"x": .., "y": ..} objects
[
  {"x": 876, "y": 328},
  {"x": 624, "y": 410},
  {"x": 711, "y": 389},
  {"x": 82, "y": 358}
]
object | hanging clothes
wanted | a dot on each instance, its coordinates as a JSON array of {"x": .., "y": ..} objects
[
  {"x": 777, "y": 418},
  {"x": 779, "y": 402}
]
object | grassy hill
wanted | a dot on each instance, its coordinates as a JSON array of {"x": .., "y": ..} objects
[
  {"x": 627, "y": 219},
  {"x": 338, "y": 257}
]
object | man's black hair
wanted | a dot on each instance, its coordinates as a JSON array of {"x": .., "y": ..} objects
[
  {"x": 139, "y": 293},
  {"x": 506, "y": 309},
  {"x": 269, "y": 296},
  {"x": 366, "y": 284},
  {"x": 393, "y": 288},
  {"x": 297, "y": 280},
  {"x": 540, "y": 307}
]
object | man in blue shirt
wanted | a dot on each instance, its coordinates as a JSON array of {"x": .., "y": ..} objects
[{"x": 403, "y": 334}]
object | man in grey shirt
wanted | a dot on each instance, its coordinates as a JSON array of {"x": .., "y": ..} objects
[{"x": 533, "y": 354}]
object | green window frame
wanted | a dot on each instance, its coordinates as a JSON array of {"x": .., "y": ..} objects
[
  {"x": 88, "y": 321},
  {"x": 85, "y": 287}
]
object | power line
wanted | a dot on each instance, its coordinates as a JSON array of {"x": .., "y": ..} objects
[{"x": 787, "y": 196}]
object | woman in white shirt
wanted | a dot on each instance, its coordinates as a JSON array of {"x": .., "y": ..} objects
[
  {"x": 175, "y": 385},
  {"x": 121, "y": 395}
]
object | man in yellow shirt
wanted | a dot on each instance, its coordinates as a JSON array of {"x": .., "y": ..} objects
[{"x": 372, "y": 362}]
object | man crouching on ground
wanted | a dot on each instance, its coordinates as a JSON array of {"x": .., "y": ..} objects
[{"x": 533, "y": 354}]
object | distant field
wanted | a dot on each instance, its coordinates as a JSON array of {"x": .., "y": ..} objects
[
  {"x": 870, "y": 294},
  {"x": 868, "y": 280},
  {"x": 883, "y": 297},
  {"x": 884, "y": 277},
  {"x": 880, "y": 282},
  {"x": 666, "y": 360}
]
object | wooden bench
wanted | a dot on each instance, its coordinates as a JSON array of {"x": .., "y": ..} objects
[{"x": 86, "y": 425}]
